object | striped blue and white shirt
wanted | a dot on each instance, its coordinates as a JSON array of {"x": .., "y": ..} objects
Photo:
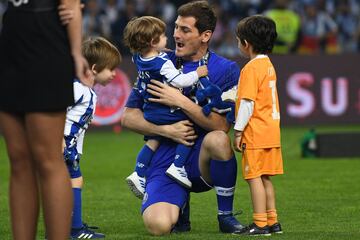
[
  {"x": 161, "y": 68},
  {"x": 79, "y": 116}
]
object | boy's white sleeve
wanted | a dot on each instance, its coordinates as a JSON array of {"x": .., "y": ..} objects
[
  {"x": 80, "y": 142},
  {"x": 177, "y": 79},
  {"x": 79, "y": 90},
  {"x": 245, "y": 111}
]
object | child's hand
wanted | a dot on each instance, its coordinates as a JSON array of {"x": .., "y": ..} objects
[
  {"x": 237, "y": 141},
  {"x": 66, "y": 14},
  {"x": 202, "y": 71}
]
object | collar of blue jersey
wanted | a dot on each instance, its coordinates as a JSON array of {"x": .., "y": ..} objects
[{"x": 203, "y": 61}]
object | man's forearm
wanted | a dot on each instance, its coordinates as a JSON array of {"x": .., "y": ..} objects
[
  {"x": 133, "y": 119},
  {"x": 181, "y": 132},
  {"x": 164, "y": 94}
]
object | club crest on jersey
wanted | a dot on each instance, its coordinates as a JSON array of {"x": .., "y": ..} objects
[
  {"x": 75, "y": 165},
  {"x": 17, "y": 3}
]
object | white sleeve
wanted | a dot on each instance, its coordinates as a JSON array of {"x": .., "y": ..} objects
[
  {"x": 80, "y": 142},
  {"x": 79, "y": 91},
  {"x": 177, "y": 79},
  {"x": 245, "y": 111}
]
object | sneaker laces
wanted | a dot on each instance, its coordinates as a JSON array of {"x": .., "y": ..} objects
[
  {"x": 231, "y": 218},
  {"x": 85, "y": 225},
  {"x": 238, "y": 213},
  {"x": 182, "y": 172},
  {"x": 142, "y": 182},
  {"x": 89, "y": 231}
]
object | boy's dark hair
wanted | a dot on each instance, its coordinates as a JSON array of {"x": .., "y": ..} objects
[
  {"x": 141, "y": 32},
  {"x": 259, "y": 31},
  {"x": 101, "y": 52},
  {"x": 202, "y": 12}
]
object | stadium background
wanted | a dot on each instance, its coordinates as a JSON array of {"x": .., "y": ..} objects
[{"x": 319, "y": 87}]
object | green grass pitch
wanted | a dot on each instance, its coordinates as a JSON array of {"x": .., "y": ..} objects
[{"x": 316, "y": 198}]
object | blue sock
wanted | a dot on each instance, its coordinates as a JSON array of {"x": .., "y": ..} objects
[
  {"x": 77, "y": 209},
  {"x": 223, "y": 175},
  {"x": 143, "y": 160},
  {"x": 182, "y": 153}
]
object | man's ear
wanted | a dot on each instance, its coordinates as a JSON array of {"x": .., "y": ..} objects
[
  {"x": 93, "y": 69},
  {"x": 205, "y": 36}
]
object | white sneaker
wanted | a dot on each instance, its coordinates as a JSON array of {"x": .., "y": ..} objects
[
  {"x": 136, "y": 184},
  {"x": 179, "y": 175}
]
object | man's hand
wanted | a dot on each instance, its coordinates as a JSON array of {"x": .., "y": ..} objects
[
  {"x": 181, "y": 132},
  {"x": 165, "y": 94},
  {"x": 237, "y": 141}
]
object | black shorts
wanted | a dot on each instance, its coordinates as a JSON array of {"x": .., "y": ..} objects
[{"x": 36, "y": 67}]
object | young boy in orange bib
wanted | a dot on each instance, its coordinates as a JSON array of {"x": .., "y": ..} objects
[{"x": 257, "y": 126}]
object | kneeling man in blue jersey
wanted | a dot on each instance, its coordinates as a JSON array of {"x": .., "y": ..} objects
[
  {"x": 103, "y": 58},
  {"x": 211, "y": 162}
]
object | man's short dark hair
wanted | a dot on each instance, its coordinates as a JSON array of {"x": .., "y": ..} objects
[{"x": 203, "y": 14}]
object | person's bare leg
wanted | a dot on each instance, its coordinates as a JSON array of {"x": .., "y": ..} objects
[
  {"x": 45, "y": 132},
  {"x": 77, "y": 182},
  {"x": 272, "y": 217},
  {"x": 258, "y": 195},
  {"x": 24, "y": 202},
  {"x": 270, "y": 193},
  {"x": 160, "y": 218}
]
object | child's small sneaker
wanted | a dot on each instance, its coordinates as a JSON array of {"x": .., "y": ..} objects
[
  {"x": 179, "y": 174},
  {"x": 85, "y": 233},
  {"x": 254, "y": 230},
  {"x": 276, "y": 228},
  {"x": 136, "y": 184}
]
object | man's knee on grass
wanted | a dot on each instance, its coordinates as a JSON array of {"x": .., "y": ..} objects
[
  {"x": 160, "y": 218},
  {"x": 158, "y": 225}
]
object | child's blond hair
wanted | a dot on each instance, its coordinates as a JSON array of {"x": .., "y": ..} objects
[
  {"x": 100, "y": 52},
  {"x": 141, "y": 32}
]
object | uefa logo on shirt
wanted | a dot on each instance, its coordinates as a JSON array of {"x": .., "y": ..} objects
[{"x": 75, "y": 165}]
